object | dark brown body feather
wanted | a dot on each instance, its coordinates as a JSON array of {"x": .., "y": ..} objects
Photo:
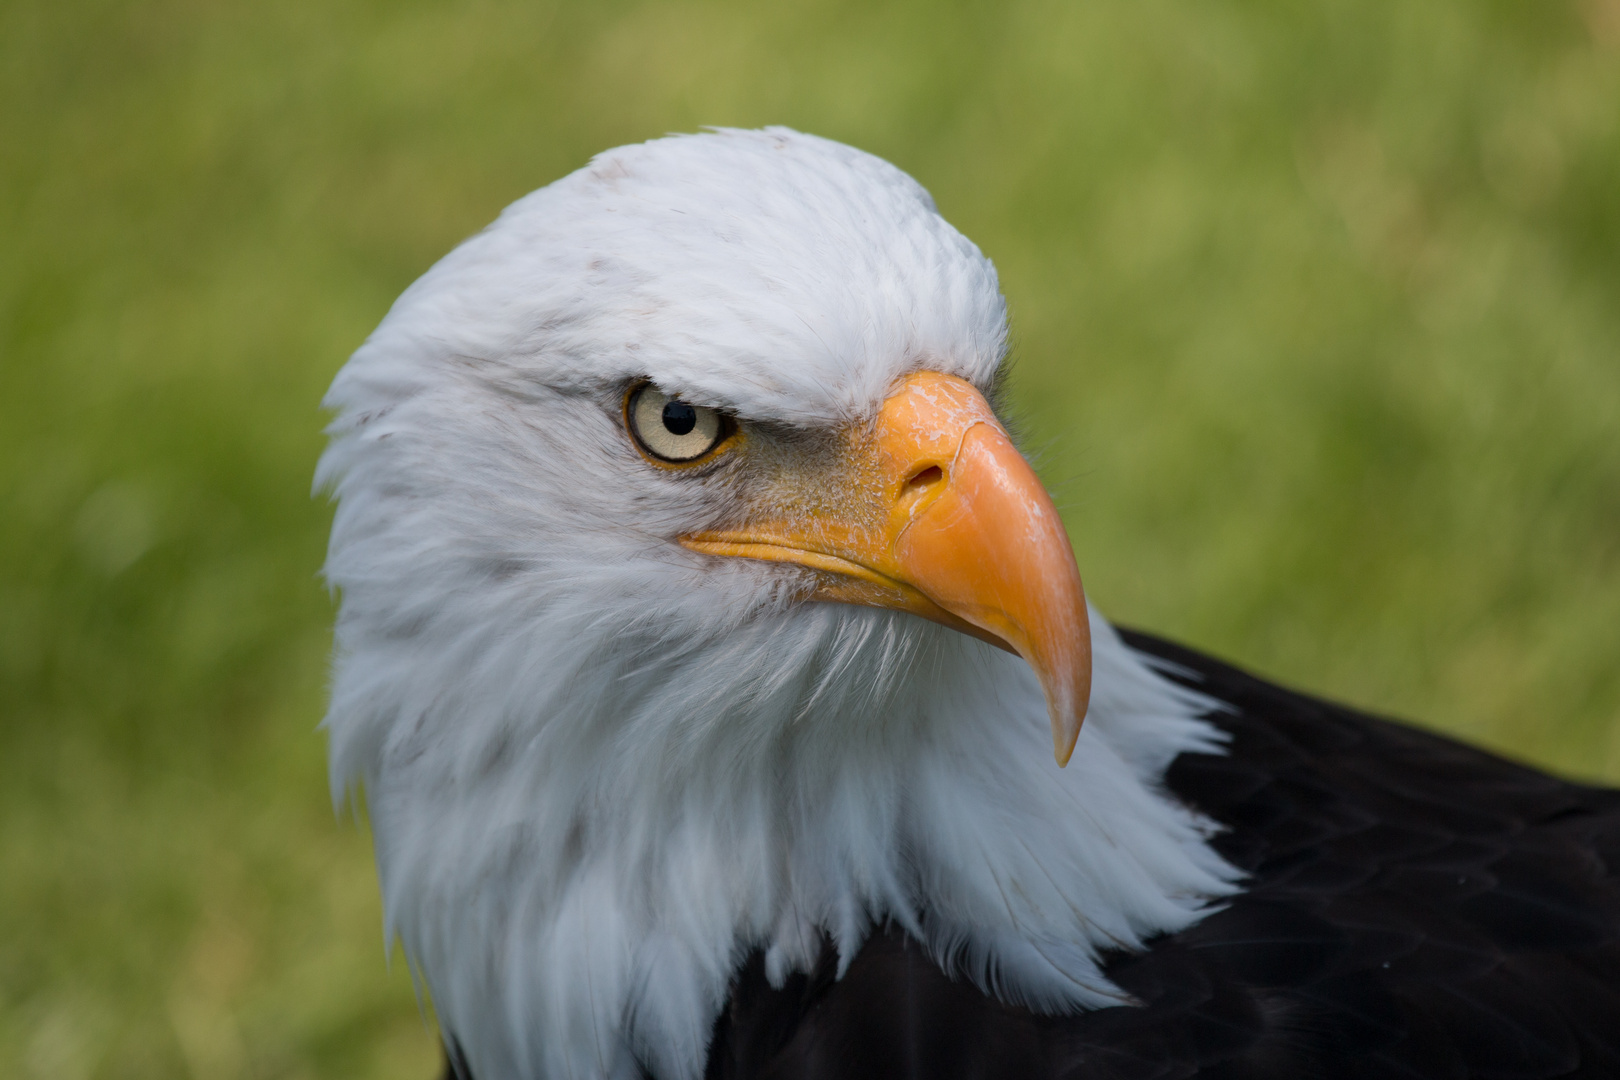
[{"x": 1417, "y": 908}]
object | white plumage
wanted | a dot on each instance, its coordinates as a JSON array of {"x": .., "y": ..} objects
[{"x": 601, "y": 767}]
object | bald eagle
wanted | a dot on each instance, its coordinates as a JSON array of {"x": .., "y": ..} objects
[{"x": 714, "y": 668}]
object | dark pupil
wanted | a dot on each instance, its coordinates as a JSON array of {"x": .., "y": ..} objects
[{"x": 679, "y": 417}]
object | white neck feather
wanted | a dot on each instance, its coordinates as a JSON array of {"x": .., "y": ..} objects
[{"x": 578, "y": 849}]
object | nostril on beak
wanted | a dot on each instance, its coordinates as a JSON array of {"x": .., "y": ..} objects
[{"x": 932, "y": 474}]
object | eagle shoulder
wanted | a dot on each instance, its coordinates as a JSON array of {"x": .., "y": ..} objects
[{"x": 1416, "y": 908}]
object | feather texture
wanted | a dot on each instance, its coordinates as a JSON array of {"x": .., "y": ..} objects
[
  {"x": 602, "y": 769},
  {"x": 1416, "y": 909}
]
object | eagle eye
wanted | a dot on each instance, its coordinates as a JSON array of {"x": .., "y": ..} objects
[{"x": 669, "y": 429}]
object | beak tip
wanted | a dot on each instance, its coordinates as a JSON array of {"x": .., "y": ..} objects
[{"x": 1065, "y": 734}]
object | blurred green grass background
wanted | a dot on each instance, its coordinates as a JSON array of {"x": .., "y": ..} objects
[{"x": 1317, "y": 315}]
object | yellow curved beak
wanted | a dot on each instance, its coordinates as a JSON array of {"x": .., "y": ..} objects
[{"x": 943, "y": 518}]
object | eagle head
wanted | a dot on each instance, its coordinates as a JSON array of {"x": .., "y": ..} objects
[{"x": 696, "y": 600}]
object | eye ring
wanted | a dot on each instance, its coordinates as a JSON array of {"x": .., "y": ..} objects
[{"x": 671, "y": 432}]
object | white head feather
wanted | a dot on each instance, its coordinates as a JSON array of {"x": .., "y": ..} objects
[{"x": 601, "y": 768}]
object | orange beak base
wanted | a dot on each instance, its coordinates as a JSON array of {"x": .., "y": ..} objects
[{"x": 949, "y": 522}]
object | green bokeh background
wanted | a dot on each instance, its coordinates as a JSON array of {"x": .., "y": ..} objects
[{"x": 1317, "y": 318}]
